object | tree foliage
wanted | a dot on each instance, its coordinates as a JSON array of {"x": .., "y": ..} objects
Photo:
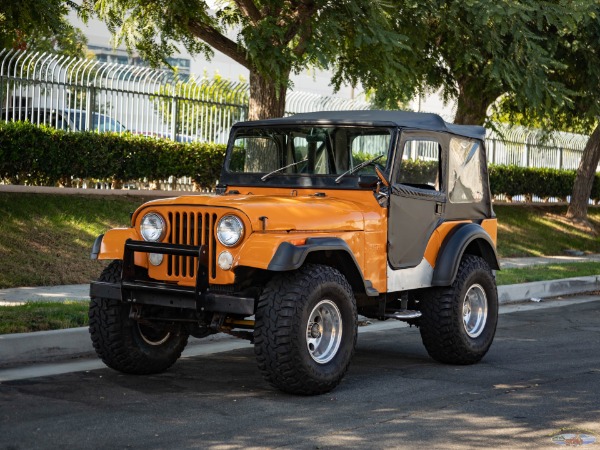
[
  {"x": 540, "y": 56},
  {"x": 271, "y": 38},
  {"x": 40, "y": 25},
  {"x": 475, "y": 51},
  {"x": 577, "y": 49}
]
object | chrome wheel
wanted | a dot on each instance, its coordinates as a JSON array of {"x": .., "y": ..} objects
[
  {"x": 324, "y": 331},
  {"x": 475, "y": 310}
]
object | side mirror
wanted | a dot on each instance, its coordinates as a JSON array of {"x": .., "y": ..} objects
[{"x": 382, "y": 176}]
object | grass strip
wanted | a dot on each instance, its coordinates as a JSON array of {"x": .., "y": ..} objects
[
  {"x": 542, "y": 230},
  {"x": 43, "y": 316},
  {"x": 46, "y": 240},
  {"x": 547, "y": 272}
]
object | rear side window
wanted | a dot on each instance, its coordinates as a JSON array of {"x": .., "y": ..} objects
[
  {"x": 465, "y": 181},
  {"x": 420, "y": 164}
]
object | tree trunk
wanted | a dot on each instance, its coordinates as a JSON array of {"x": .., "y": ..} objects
[
  {"x": 267, "y": 98},
  {"x": 585, "y": 178},
  {"x": 472, "y": 103}
]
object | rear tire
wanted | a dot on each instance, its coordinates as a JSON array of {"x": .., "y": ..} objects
[
  {"x": 459, "y": 322},
  {"x": 127, "y": 345},
  {"x": 305, "y": 332}
]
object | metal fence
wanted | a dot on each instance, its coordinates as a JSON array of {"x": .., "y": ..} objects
[
  {"x": 525, "y": 147},
  {"x": 85, "y": 94},
  {"x": 300, "y": 102}
]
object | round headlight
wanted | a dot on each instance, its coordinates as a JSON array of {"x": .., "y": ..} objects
[
  {"x": 230, "y": 230},
  {"x": 152, "y": 227}
]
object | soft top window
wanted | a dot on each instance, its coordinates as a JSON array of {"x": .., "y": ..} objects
[{"x": 465, "y": 181}]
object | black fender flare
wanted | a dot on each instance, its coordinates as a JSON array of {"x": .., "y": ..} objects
[
  {"x": 469, "y": 235},
  {"x": 292, "y": 257},
  {"x": 96, "y": 247}
]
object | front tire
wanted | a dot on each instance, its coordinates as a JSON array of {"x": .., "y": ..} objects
[
  {"x": 305, "y": 332},
  {"x": 128, "y": 345},
  {"x": 459, "y": 322}
]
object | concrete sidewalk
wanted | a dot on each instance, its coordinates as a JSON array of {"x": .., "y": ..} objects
[
  {"x": 44, "y": 293},
  {"x": 517, "y": 263}
]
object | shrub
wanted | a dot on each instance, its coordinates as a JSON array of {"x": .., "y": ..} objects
[
  {"x": 47, "y": 157},
  {"x": 542, "y": 182}
]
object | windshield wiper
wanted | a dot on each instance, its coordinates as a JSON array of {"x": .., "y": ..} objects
[
  {"x": 357, "y": 168},
  {"x": 268, "y": 175}
]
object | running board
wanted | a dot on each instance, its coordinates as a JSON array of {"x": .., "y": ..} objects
[{"x": 404, "y": 314}]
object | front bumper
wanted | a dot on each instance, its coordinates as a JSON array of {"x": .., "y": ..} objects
[{"x": 148, "y": 292}]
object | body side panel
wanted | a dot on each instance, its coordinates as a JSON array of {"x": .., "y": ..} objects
[
  {"x": 491, "y": 227},
  {"x": 437, "y": 238}
]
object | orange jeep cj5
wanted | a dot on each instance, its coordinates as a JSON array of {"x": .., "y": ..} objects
[{"x": 317, "y": 218}]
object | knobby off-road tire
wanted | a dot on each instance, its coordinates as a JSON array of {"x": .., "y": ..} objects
[
  {"x": 305, "y": 330},
  {"x": 459, "y": 322},
  {"x": 125, "y": 345}
]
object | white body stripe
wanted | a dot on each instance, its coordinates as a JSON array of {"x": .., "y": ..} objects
[{"x": 412, "y": 278}]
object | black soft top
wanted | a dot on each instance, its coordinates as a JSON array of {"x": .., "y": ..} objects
[{"x": 376, "y": 118}]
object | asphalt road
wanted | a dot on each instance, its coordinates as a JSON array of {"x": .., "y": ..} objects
[{"x": 541, "y": 376}]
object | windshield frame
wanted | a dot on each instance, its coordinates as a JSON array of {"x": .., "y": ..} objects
[{"x": 300, "y": 180}]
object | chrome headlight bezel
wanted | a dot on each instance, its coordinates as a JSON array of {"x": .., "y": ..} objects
[
  {"x": 153, "y": 227},
  {"x": 230, "y": 230}
]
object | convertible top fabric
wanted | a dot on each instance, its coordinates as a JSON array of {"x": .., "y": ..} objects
[{"x": 378, "y": 118}]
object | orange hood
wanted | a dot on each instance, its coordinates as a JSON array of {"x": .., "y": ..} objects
[{"x": 284, "y": 213}]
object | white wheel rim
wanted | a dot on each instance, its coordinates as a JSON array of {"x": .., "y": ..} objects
[
  {"x": 324, "y": 331},
  {"x": 475, "y": 311},
  {"x": 150, "y": 341}
]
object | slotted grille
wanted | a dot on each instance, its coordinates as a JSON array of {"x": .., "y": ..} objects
[{"x": 191, "y": 228}]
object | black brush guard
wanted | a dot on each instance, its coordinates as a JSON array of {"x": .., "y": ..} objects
[{"x": 147, "y": 292}]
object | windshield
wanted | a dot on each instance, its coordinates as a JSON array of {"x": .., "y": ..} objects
[{"x": 306, "y": 150}]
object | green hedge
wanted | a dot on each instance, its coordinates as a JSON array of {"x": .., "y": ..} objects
[
  {"x": 513, "y": 180},
  {"x": 45, "y": 156},
  {"x": 544, "y": 183}
]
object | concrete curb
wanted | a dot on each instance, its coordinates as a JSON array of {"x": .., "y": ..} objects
[
  {"x": 513, "y": 293},
  {"x": 44, "y": 346},
  {"x": 13, "y": 188}
]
